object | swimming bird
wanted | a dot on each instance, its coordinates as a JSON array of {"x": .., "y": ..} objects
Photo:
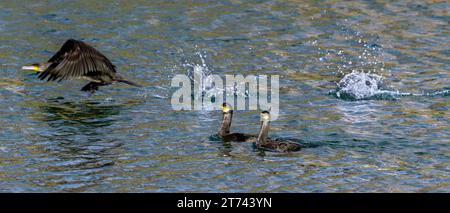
[
  {"x": 224, "y": 131},
  {"x": 263, "y": 142},
  {"x": 78, "y": 60}
]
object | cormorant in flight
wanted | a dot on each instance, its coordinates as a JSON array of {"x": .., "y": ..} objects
[{"x": 78, "y": 60}]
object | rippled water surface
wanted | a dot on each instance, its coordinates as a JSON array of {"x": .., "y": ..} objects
[{"x": 384, "y": 128}]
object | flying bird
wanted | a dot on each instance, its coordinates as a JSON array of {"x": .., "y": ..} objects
[{"x": 78, "y": 60}]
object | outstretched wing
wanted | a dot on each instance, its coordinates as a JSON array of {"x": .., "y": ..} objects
[{"x": 76, "y": 59}]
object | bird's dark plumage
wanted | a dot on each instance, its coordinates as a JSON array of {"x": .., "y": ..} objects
[
  {"x": 278, "y": 145},
  {"x": 92, "y": 86},
  {"x": 78, "y": 60},
  {"x": 224, "y": 131},
  {"x": 238, "y": 137}
]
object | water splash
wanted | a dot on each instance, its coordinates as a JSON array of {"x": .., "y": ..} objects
[
  {"x": 199, "y": 71},
  {"x": 356, "y": 51},
  {"x": 361, "y": 63},
  {"x": 367, "y": 86},
  {"x": 359, "y": 85},
  {"x": 201, "y": 75}
]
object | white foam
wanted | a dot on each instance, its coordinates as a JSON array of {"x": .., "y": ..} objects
[{"x": 359, "y": 85}]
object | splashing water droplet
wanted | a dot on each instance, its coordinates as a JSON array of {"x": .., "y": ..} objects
[
  {"x": 199, "y": 71},
  {"x": 359, "y": 85},
  {"x": 202, "y": 75}
]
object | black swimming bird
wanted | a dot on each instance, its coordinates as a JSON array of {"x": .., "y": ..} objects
[
  {"x": 78, "y": 60},
  {"x": 224, "y": 131},
  {"x": 263, "y": 142}
]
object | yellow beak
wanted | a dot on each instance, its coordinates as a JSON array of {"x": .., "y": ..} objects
[
  {"x": 225, "y": 109},
  {"x": 32, "y": 68}
]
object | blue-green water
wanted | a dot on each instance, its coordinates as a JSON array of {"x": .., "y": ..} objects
[{"x": 389, "y": 135}]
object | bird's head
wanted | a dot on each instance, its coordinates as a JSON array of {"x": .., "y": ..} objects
[
  {"x": 265, "y": 116},
  {"x": 226, "y": 108},
  {"x": 37, "y": 67}
]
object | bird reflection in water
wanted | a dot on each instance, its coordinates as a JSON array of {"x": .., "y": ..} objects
[{"x": 79, "y": 144}]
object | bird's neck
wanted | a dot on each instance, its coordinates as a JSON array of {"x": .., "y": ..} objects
[
  {"x": 263, "y": 133},
  {"x": 226, "y": 124}
]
